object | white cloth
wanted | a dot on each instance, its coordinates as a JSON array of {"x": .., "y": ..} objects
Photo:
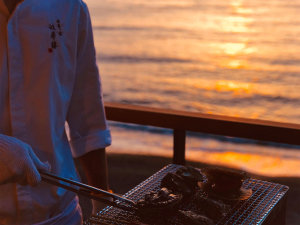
[
  {"x": 18, "y": 162},
  {"x": 71, "y": 215},
  {"x": 48, "y": 75}
]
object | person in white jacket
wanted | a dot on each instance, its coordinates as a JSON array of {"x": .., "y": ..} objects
[{"x": 48, "y": 77}]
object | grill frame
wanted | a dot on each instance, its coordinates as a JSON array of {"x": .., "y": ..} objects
[{"x": 253, "y": 211}]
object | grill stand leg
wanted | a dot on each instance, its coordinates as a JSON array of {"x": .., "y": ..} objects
[{"x": 278, "y": 213}]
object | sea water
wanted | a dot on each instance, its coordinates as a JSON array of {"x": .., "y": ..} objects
[{"x": 236, "y": 57}]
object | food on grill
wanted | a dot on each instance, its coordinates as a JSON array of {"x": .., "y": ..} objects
[
  {"x": 212, "y": 208},
  {"x": 176, "y": 184},
  {"x": 224, "y": 181},
  {"x": 103, "y": 220},
  {"x": 184, "y": 181},
  {"x": 158, "y": 202},
  {"x": 192, "y": 218},
  {"x": 174, "y": 188},
  {"x": 254, "y": 210},
  {"x": 190, "y": 175},
  {"x": 225, "y": 184},
  {"x": 183, "y": 187}
]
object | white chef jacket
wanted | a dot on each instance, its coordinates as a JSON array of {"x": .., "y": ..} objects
[{"x": 48, "y": 75}]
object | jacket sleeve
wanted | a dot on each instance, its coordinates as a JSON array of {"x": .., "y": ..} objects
[{"x": 88, "y": 129}]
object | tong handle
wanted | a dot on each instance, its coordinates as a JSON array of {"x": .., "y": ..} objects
[{"x": 84, "y": 189}]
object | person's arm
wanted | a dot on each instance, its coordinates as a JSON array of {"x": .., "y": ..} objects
[
  {"x": 94, "y": 165},
  {"x": 88, "y": 129}
]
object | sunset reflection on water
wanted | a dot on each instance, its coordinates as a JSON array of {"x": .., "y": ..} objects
[
  {"x": 232, "y": 54},
  {"x": 254, "y": 163},
  {"x": 236, "y": 87},
  {"x": 237, "y": 58}
]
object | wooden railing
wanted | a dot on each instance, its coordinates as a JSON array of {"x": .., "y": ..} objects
[{"x": 181, "y": 121}]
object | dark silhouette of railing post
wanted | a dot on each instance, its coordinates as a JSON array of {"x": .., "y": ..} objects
[{"x": 179, "y": 146}]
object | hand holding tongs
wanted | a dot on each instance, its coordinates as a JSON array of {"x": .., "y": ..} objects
[{"x": 89, "y": 191}]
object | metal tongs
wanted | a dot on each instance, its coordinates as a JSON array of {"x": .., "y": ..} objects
[{"x": 89, "y": 191}]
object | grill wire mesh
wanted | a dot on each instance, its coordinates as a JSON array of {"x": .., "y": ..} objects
[{"x": 253, "y": 211}]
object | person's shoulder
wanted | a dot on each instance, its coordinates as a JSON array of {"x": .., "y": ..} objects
[
  {"x": 80, "y": 3},
  {"x": 73, "y": 2}
]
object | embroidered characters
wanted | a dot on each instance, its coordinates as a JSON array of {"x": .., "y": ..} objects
[{"x": 55, "y": 31}]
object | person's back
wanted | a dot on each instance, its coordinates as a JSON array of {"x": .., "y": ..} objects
[{"x": 48, "y": 75}]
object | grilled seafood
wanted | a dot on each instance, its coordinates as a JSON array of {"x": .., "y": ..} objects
[
  {"x": 186, "y": 183},
  {"x": 161, "y": 201},
  {"x": 176, "y": 184},
  {"x": 192, "y": 218},
  {"x": 191, "y": 176},
  {"x": 214, "y": 209},
  {"x": 184, "y": 180},
  {"x": 190, "y": 195},
  {"x": 224, "y": 181},
  {"x": 103, "y": 220}
]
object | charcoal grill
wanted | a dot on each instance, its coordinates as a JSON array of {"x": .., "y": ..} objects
[{"x": 266, "y": 206}]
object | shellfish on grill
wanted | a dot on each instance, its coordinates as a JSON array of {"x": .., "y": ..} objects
[
  {"x": 158, "y": 202},
  {"x": 184, "y": 181},
  {"x": 225, "y": 183},
  {"x": 176, "y": 184},
  {"x": 192, "y": 218},
  {"x": 191, "y": 176},
  {"x": 213, "y": 209}
]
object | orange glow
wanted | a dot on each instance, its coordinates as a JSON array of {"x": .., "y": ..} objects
[
  {"x": 233, "y": 48},
  {"x": 254, "y": 159},
  {"x": 234, "y": 51},
  {"x": 238, "y": 23},
  {"x": 259, "y": 164},
  {"x": 266, "y": 165},
  {"x": 237, "y": 6},
  {"x": 236, "y": 3},
  {"x": 233, "y": 86},
  {"x": 234, "y": 64},
  {"x": 236, "y": 48}
]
